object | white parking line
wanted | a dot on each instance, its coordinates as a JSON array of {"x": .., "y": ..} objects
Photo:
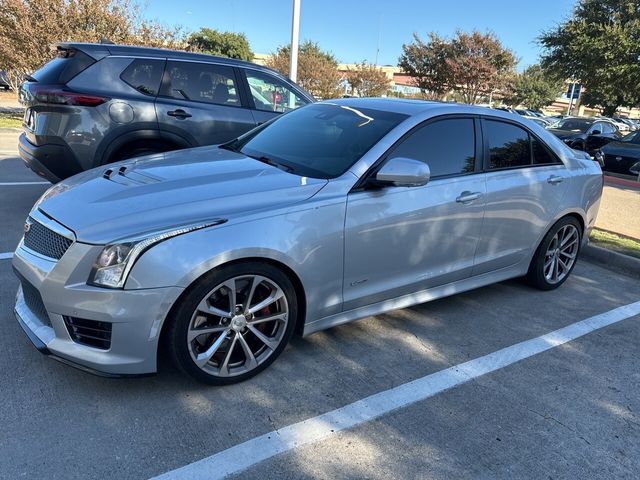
[
  {"x": 8, "y": 184},
  {"x": 242, "y": 456},
  {"x": 6, "y": 255}
]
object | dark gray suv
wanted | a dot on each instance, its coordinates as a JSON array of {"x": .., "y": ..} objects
[{"x": 98, "y": 103}]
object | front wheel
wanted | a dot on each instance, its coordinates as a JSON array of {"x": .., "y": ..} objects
[
  {"x": 556, "y": 256},
  {"x": 233, "y": 323}
]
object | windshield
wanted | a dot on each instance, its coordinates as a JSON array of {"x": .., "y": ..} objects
[
  {"x": 320, "y": 140},
  {"x": 633, "y": 137},
  {"x": 574, "y": 124}
]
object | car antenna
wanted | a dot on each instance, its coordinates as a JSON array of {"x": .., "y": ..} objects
[{"x": 106, "y": 41}]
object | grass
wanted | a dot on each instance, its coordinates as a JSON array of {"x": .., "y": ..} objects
[
  {"x": 10, "y": 120},
  {"x": 619, "y": 243}
]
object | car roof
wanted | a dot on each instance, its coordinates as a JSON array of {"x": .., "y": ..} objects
[
  {"x": 411, "y": 106},
  {"x": 100, "y": 50}
]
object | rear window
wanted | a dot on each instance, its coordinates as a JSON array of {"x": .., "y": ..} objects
[{"x": 64, "y": 67}]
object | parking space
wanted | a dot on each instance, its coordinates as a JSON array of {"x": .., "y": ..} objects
[
  {"x": 565, "y": 413},
  {"x": 582, "y": 396}
]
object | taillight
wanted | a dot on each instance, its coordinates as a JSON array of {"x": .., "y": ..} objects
[{"x": 59, "y": 96}]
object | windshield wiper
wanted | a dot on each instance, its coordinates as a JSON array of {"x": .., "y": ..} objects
[
  {"x": 273, "y": 163},
  {"x": 231, "y": 146}
]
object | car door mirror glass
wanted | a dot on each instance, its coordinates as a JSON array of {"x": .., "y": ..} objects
[
  {"x": 595, "y": 132},
  {"x": 403, "y": 172}
]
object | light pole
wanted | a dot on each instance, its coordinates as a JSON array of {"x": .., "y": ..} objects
[
  {"x": 295, "y": 32},
  {"x": 573, "y": 89}
]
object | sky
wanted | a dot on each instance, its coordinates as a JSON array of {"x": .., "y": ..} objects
[{"x": 356, "y": 30}]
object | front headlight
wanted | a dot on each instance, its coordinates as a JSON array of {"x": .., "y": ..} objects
[{"x": 114, "y": 262}]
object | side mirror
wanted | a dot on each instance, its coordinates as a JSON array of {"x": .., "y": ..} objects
[
  {"x": 403, "y": 172},
  {"x": 596, "y": 132}
]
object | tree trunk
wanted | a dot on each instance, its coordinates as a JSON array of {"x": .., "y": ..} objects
[{"x": 609, "y": 110}]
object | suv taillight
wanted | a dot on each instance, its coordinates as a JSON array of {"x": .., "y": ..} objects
[{"x": 59, "y": 96}]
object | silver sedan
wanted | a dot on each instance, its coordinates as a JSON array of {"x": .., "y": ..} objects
[{"x": 333, "y": 212}]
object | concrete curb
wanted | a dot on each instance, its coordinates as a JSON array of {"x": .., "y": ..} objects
[{"x": 615, "y": 261}]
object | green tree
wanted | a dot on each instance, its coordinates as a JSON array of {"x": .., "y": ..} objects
[
  {"x": 317, "y": 70},
  {"x": 426, "y": 63},
  {"x": 224, "y": 44},
  {"x": 534, "y": 88},
  {"x": 368, "y": 80},
  {"x": 469, "y": 64},
  {"x": 29, "y": 28},
  {"x": 600, "y": 46}
]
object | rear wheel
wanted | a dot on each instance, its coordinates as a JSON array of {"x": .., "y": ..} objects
[
  {"x": 556, "y": 256},
  {"x": 234, "y": 323}
]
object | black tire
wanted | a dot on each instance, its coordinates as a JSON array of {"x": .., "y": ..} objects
[
  {"x": 536, "y": 275},
  {"x": 179, "y": 321}
]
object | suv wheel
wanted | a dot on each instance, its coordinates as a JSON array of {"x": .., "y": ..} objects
[
  {"x": 234, "y": 323},
  {"x": 556, "y": 256}
]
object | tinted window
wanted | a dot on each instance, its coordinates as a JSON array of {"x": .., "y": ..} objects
[
  {"x": 508, "y": 145},
  {"x": 201, "y": 82},
  {"x": 64, "y": 67},
  {"x": 607, "y": 128},
  {"x": 574, "y": 124},
  {"x": 541, "y": 154},
  {"x": 272, "y": 94},
  {"x": 447, "y": 146},
  {"x": 319, "y": 140},
  {"x": 144, "y": 75}
]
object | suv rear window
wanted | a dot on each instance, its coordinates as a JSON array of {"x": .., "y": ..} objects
[
  {"x": 144, "y": 75},
  {"x": 64, "y": 67}
]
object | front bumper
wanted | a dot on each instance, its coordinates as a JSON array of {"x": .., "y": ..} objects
[{"x": 136, "y": 315}]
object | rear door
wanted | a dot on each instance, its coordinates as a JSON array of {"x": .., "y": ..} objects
[
  {"x": 270, "y": 96},
  {"x": 525, "y": 186},
  {"x": 202, "y": 103}
]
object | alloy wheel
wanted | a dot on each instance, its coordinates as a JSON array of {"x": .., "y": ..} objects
[
  {"x": 238, "y": 325},
  {"x": 561, "y": 254}
]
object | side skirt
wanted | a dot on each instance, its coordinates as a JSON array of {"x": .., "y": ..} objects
[{"x": 416, "y": 298}]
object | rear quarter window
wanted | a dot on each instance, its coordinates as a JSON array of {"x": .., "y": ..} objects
[{"x": 64, "y": 67}]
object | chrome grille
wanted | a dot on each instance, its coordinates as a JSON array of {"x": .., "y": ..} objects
[{"x": 45, "y": 241}]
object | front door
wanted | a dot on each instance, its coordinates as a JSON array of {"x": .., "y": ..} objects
[{"x": 399, "y": 240}]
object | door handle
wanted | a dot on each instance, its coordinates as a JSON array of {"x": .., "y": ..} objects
[
  {"x": 179, "y": 113},
  {"x": 468, "y": 197},
  {"x": 554, "y": 179}
]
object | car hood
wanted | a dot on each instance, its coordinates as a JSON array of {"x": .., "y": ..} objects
[
  {"x": 164, "y": 191},
  {"x": 623, "y": 149}
]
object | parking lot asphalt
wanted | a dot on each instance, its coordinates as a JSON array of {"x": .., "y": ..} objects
[{"x": 570, "y": 412}]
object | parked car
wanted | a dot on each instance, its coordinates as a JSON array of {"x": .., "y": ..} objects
[
  {"x": 622, "y": 156},
  {"x": 336, "y": 211},
  {"x": 632, "y": 125},
  {"x": 588, "y": 134},
  {"x": 543, "y": 122},
  {"x": 98, "y": 103},
  {"x": 4, "y": 81}
]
